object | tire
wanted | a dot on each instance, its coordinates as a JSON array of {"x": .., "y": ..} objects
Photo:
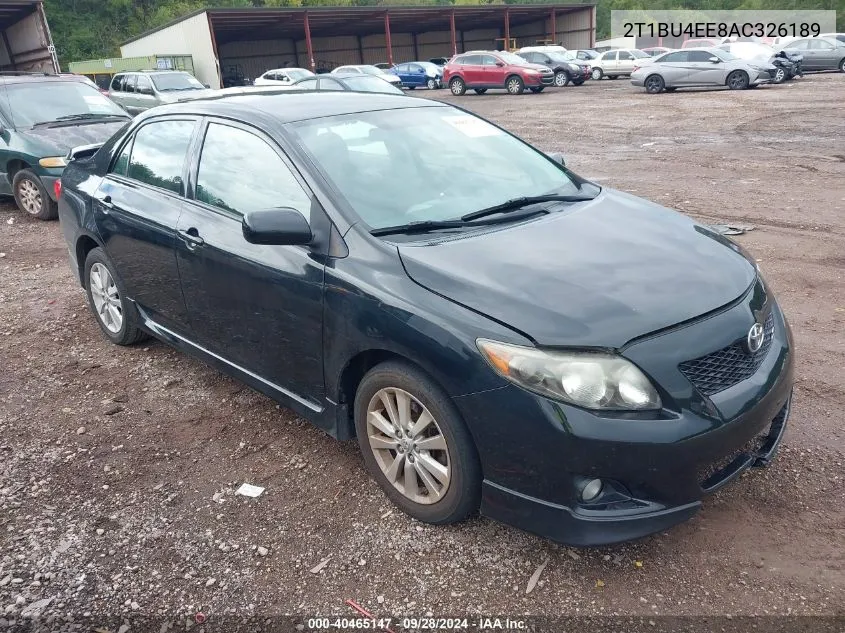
[
  {"x": 537, "y": 89},
  {"x": 515, "y": 85},
  {"x": 597, "y": 74},
  {"x": 31, "y": 196},
  {"x": 120, "y": 323},
  {"x": 561, "y": 79},
  {"x": 480, "y": 91},
  {"x": 435, "y": 501},
  {"x": 457, "y": 86},
  {"x": 737, "y": 80},
  {"x": 431, "y": 84},
  {"x": 654, "y": 84},
  {"x": 780, "y": 76},
  {"x": 842, "y": 64}
]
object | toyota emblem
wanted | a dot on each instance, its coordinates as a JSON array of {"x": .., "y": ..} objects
[{"x": 755, "y": 338}]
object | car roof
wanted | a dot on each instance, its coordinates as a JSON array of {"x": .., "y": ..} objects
[
  {"x": 290, "y": 106},
  {"x": 40, "y": 77}
]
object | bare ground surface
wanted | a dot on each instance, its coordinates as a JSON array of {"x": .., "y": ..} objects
[{"x": 118, "y": 465}]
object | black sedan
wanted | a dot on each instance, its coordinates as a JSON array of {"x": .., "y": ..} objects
[{"x": 497, "y": 332}]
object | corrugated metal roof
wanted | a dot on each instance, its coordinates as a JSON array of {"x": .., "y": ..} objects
[
  {"x": 12, "y": 11},
  {"x": 262, "y": 23}
]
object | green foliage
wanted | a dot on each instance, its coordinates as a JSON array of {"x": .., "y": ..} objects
[{"x": 93, "y": 29}]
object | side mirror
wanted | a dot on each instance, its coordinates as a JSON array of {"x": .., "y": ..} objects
[
  {"x": 500, "y": 64},
  {"x": 557, "y": 157},
  {"x": 206, "y": 85},
  {"x": 714, "y": 60},
  {"x": 282, "y": 226}
]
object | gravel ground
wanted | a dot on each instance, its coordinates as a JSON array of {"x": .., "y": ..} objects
[{"x": 118, "y": 465}]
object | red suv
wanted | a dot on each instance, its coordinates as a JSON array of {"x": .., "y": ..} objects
[{"x": 481, "y": 70}]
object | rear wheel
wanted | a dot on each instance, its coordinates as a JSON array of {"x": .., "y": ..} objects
[
  {"x": 431, "y": 84},
  {"x": 31, "y": 196},
  {"x": 457, "y": 86},
  {"x": 537, "y": 89},
  {"x": 654, "y": 84},
  {"x": 561, "y": 79},
  {"x": 597, "y": 73},
  {"x": 514, "y": 85},
  {"x": 480, "y": 91},
  {"x": 737, "y": 80},
  {"x": 842, "y": 64},
  {"x": 117, "y": 317},
  {"x": 415, "y": 444}
]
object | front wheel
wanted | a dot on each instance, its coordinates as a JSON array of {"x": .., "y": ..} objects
[
  {"x": 738, "y": 80},
  {"x": 514, "y": 85},
  {"x": 780, "y": 76},
  {"x": 561, "y": 79},
  {"x": 115, "y": 315},
  {"x": 537, "y": 89},
  {"x": 431, "y": 84},
  {"x": 597, "y": 73},
  {"x": 31, "y": 196},
  {"x": 457, "y": 86},
  {"x": 415, "y": 445},
  {"x": 654, "y": 84}
]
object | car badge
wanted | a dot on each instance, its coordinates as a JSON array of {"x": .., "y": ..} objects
[{"x": 755, "y": 338}]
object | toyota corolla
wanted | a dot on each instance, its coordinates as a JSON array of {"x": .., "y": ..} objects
[{"x": 499, "y": 333}]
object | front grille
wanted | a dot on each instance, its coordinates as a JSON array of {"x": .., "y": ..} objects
[{"x": 722, "y": 369}]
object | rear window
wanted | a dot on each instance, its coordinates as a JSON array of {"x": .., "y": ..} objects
[{"x": 371, "y": 84}]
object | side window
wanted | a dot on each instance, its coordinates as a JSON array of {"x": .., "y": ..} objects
[
  {"x": 488, "y": 60},
  {"x": 609, "y": 56},
  {"x": 122, "y": 163},
  {"x": 330, "y": 84},
  {"x": 471, "y": 60},
  {"x": 401, "y": 68},
  {"x": 308, "y": 84},
  {"x": 158, "y": 154},
  {"x": 415, "y": 68},
  {"x": 117, "y": 83},
  {"x": 700, "y": 56},
  {"x": 798, "y": 44},
  {"x": 529, "y": 57},
  {"x": 144, "y": 86},
  {"x": 625, "y": 55},
  {"x": 129, "y": 83},
  {"x": 264, "y": 181},
  {"x": 820, "y": 45},
  {"x": 678, "y": 56}
]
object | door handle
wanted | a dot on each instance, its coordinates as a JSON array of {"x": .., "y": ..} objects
[{"x": 191, "y": 238}]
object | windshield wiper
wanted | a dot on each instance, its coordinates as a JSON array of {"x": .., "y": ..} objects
[
  {"x": 424, "y": 226},
  {"x": 89, "y": 115},
  {"x": 518, "y": 203}
]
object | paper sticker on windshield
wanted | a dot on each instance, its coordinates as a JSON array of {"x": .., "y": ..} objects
[
  {"x": 95, "y": 100},
  {"x": 472, "y": 126}
]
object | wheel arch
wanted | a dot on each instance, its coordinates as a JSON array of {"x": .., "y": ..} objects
[
  {"x": 14, "y": 165},
  {"x": 85, "y": 243}
]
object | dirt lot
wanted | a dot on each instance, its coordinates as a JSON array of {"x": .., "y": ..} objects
[{"x": 118, "y": 466}]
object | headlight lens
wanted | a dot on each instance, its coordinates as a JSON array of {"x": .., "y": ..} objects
[
  {"x": 575, "y": 67},
  {"x": 593, "y": 380},
  {"x": 531, "y": 71},
  {"x": 53, "y": 161}
]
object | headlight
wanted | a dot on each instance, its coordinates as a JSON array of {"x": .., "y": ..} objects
[
  {"x": 531, "y": 71},
  {"x": 593, "y": 380},
  {"x": 53, "y": 161},
  {"x": 575, "y": 67}
]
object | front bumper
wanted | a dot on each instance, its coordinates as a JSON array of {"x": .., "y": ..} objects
[{"x": 536, "y": 453}]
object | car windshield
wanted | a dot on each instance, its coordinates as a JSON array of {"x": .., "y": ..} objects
[
  {"x": 724, "y": 55},
  {"x": 426, "y": 163},
  {"x": 165, "y": 82},
  {"x": 28, "y": 103},
  {"x": 511, "y": 58},
  {"x": 296, "y": 74},
  {"x": 364, "y": 83},
  {"x": 560, "y": 57}
]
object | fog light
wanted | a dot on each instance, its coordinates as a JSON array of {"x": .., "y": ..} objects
[{"x": 592, "y": 489}]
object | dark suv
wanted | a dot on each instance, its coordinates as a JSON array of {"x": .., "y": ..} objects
[
  {"x": 566, "y": 71},
  {"x": 41, "y": 118},
  {"x": 482, "y": 70}
]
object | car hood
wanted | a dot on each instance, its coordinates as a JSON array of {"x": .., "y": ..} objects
[
  {"x": 62, "y": 138},
  {"x": 599, "y": 273},
  {"x": 175, "y": 96}
]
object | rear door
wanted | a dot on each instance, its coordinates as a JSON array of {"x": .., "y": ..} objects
[
  {"x": 258, "y": 306},
  {"x": 608, "y": 63},
  {"x": 824, "y": 54},
  {"x": 803, "y": 47},
  {"x": 144, "y": 96},
  {"x": 625, "y": 63},
  {"x": 674, "y": 68},
  {"x": 136, "y": 210},
  {"x": 472, "y": 70}
]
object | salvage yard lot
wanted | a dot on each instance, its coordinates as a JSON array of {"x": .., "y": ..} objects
[{"x": 118, "y": 465}]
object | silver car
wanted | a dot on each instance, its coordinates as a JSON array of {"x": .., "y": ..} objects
[
  {"x": 820, "y": 53},
  {"x": 701, "y": 67},
  {"x": 142, "y": 90}
]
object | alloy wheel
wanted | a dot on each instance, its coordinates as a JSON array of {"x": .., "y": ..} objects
[
  {"x": 780, "y": 75},
  {"x": 514, "y": 85},
  {"x": 408, "y": 445},
  {"x": 560, "y": 79},
  {"x": 106, "y": 298},
  {"x": 654, "y": 84},
  {"x": 431, "y": 83},
  {"x": 30, "y": 197},
  {"x": 597, "y": 73}
]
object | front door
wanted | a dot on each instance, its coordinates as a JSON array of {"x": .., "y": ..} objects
[
  {"x": 825, "y": 56},
  {"x": 144, "y": 95},
  {"x": 416, "y": 75},
  {"x": 494, "y": 75},
  {"x": 703, "y": 72},
  {"x": 608, "y": 63},
  {"x": 136, "y": 209},
  {"x": 625, "y": 63},
  {"x": 257, "y": 306}
]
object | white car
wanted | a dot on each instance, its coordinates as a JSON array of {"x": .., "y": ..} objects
[
  {"x": 366, "y": 69},
  {"x": 282, "y": 76},
  {"x": 618, "y": 62}
]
